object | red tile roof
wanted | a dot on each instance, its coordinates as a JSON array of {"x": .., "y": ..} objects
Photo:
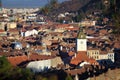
[
  {"x": 17, "y": 59},
  {"x": 93, "y": 61},
  {"x": 71, "y": 53},
  {"x": 72, "y": 29},
  {"x": 62, "y": 25},
  {"x": 13, "y": 30},
  {"x": 103, "y": 31},
  {"x": 1, "y": 31},
  {"x": 82, "y": 56},
  {"x": 35, "y": 57},
  {"x": 117, "y": 45},
  {"x": 90, "y": 31},
  {"x": 103, "y": 52}
]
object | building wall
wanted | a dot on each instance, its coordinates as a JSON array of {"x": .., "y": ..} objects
[
  {"x": 56, "y": 61},
  {"x": 88, "y": 23},
  {"x": 81, "y": 45},
  {"x": 12, "y": 25},
  {"x": 103, "y": 56},
  {"x": 39, "y": 66},
  {"x": 95, "y": 54},
  {"x": 2, "y": 25},
  {"x": 43, "y": 65},
  {"x": 111, "y": 56},
  {"x": 29, "y": 33}
]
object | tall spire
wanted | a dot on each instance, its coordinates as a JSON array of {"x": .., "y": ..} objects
[{"x": 81, "y": 34}]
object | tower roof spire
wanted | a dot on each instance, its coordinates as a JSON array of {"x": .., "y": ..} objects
[{"x": 81, "y": 34}]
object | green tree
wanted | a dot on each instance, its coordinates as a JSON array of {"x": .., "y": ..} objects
[
  {"x": 54, "y": 3},
  {"x": 45, "y": 10},
  {"x": 26, "y": 74},
  {"x": 4, "y": 65},
  {"x": 53, "y": 77},
  {"x": 116, "y": 23},
  {"x": 7, "y": 72},
  {"x": 5, "y": 68},
  {"x": 68, "y": 77},
  {"x": 38, "y": 77},
  {"x": 79, "y": 17}
]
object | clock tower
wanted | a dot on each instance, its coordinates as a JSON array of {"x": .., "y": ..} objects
[{"x": 81, "y": 40}]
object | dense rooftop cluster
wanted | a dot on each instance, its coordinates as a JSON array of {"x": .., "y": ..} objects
[{"x": 42, "y": 45}]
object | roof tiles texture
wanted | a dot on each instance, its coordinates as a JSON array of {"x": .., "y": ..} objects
[
  {"x": 16, "y": 60},
  {"x": 80, "y": 57}
]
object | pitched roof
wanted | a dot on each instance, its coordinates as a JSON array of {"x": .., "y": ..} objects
[
  {"x": 117, "y": 44},
  {"x": 34, "y": 57},
  {"x": 81, "y": 57},
  {"x": 1, "y": 31},
  {"x": 72, "y": 29},
  {"x": 71, "y": 53},
  {"x": 17, "y": 60}
]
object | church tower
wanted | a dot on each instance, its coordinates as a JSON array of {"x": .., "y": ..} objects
[{"x": 81, "y": 40}]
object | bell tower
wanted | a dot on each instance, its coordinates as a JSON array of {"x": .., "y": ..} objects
[{"x": 81, "y": 40}]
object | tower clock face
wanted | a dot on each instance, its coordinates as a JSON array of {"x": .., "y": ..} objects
[
  {"x": 81, "y": 42},
  {"x": 81, "y": 45}
]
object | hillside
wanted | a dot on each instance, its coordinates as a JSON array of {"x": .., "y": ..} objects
[
  {"x": 78, "y": 5},
  {"x": 72, "y": 6}
]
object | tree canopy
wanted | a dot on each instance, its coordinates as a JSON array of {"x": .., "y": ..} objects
[{"x": 8, "y": 72}]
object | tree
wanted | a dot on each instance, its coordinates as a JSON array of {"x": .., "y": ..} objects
[
  {"x": 45, "y": 10},
  {"x": 68, "y": 77},
  {"x": 79, "y": 17},
  {"x": 4, "y": 65},
  {"x": 54, "y": 3},
  {"x": 7, "y": 72},
  {"x": 53, "y": 77},
  {"x": 116, "y": 23},
  {"x": 5, "y": 68}
]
